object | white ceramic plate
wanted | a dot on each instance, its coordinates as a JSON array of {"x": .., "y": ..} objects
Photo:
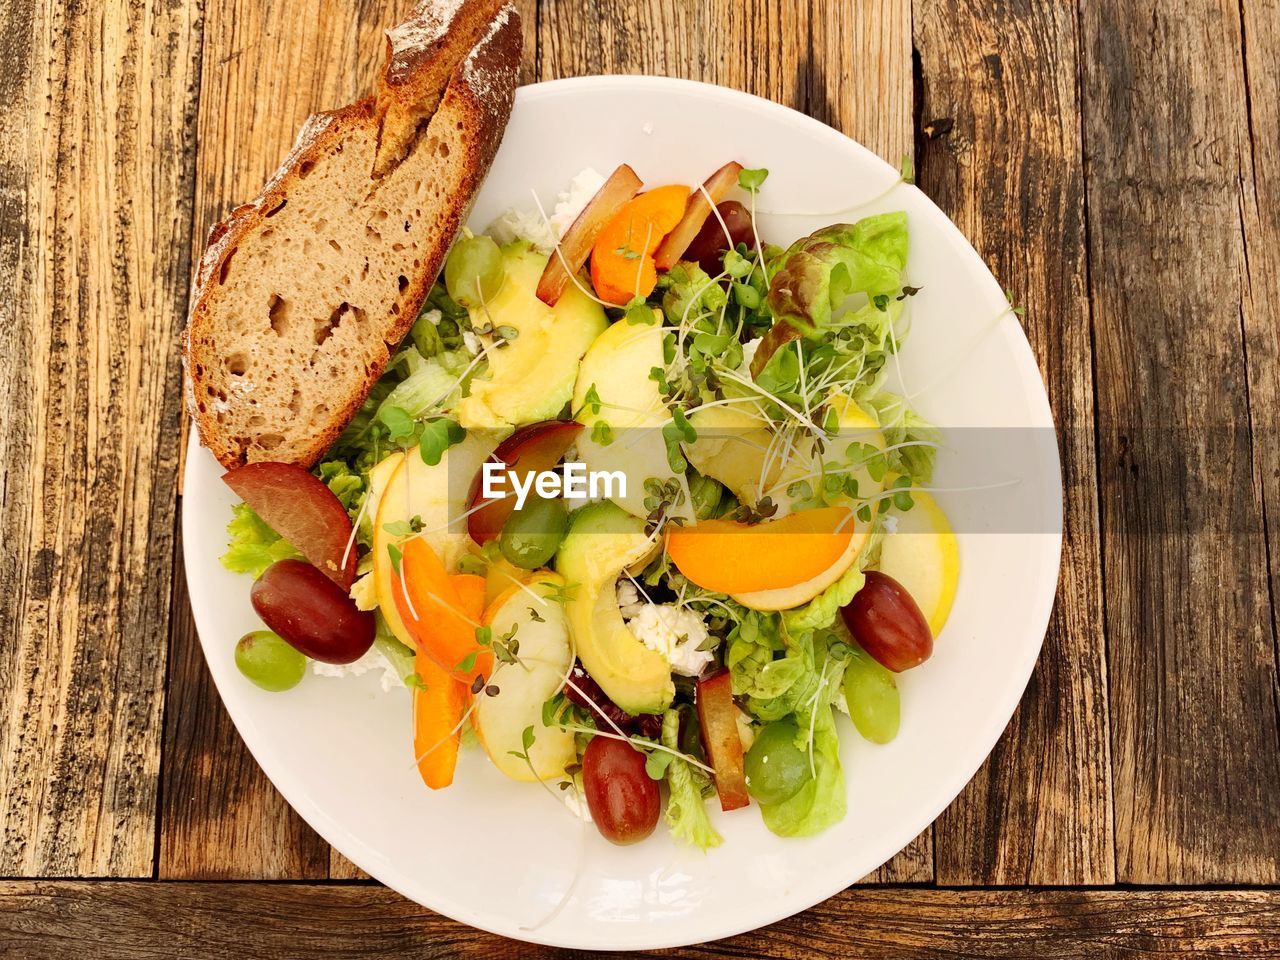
[{"x": 499, "y": 855}]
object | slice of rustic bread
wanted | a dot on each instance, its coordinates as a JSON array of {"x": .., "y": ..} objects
[
  {"x": 421, "y": 55},
  {"x": 303, "y": 295}
]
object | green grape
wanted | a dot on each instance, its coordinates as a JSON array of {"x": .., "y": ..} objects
[
  {"x": 706, "y": 494},
  {"x": 268, "y": 661},
  {"x": 473, "y": 274},
  {"x": 776, "y": 768},
  {"x": 871, "y": 693},
  {"x": 531, "y": 536}
]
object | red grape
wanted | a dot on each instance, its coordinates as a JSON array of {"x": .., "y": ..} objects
[
  {"x": 312, "y": 613},
  {"x": 298, "y": 506},
  {"x": 710, "y": 243},
  {"x": 623, "y": 800},
  {"x": 886, "y": 622}
]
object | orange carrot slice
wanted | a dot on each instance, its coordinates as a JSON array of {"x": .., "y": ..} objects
[
  {"x": 732, "y": 557},
  {"x": 622, "y": 264},
  {"x": 442, "y": 624},
  {"x": 439, "y": 704}
]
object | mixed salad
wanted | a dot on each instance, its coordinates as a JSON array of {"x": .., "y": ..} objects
[{"x": 632, "y": 511}]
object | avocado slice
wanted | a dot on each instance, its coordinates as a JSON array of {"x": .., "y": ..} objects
[
  {"x": 602, "y": 541},
  {"x": 618, "y": 368},
  {"x": 530, "y": 376}
]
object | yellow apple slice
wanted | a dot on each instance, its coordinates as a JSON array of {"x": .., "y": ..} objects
[
  {"x": 921, "y": 554},
  {"x": 523, "y": 687},
  {"x": 437, "y": 496}
]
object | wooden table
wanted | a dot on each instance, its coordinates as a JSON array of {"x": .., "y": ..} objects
[{"x": 1117, "y": 166}]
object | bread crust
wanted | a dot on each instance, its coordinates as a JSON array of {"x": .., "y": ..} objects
[{"x": 479, "y": 96}]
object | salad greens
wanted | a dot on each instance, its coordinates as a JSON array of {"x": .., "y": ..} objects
[{"x": 797, "y": 343}]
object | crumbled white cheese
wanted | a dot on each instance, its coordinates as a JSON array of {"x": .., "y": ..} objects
[
  {"x": 748, "y": 354},
  {"x": 890, "y": 523},
  {"x": 675, "y": 632},
  {"x": 528, "y": 225},
  {"x": 373, "y": 660},
  {"x": 471, "y": 342},
  {"x": 365, "y": 592},
  {"x": 517, "y": 224},
  {"x": 571, "y": 202}
]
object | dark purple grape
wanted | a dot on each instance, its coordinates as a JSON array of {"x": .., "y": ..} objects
[
  {"x": 312, "y": 613},
  {"x": 710, "y": 244},
  {"x": 886, "y": 622}
]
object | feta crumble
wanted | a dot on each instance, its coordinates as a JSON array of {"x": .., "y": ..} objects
[
  {"x": 517, "y": 224},
  {"x": 371, "y": 661},
  {"x": 675, "y": 632}
]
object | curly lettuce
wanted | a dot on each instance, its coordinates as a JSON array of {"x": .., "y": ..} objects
[
  {"x": 820, "y": 802},
  {"x": 686, "y": 813},
  {"x": 820, "y": 271},
  {"x": 253, "y": 546},
  {"x": 820, "y": 612}
]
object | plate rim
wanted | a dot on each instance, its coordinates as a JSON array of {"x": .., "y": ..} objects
[{"x": 1041, "y": 610}]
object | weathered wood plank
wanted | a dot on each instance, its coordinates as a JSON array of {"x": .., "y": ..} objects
[
  {"x": 1260, "y": 203},
  {"x": 108, "y": 920},
  {"x": 848, "y": 65},
  {"x": 1000, "y": 152},
  {"x": 1192, "y": 657},
  {"x": 220, "y": 818},
  {"x": 97, "y": 149},
  {"x": 266, "y": 66}
]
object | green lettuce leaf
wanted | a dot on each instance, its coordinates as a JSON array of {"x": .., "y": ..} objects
[
  {"x": 686, "y": 812},
  {"x": 820, "y": 612},
  {"x": 344, "y": 483},
  {"x": 820, "y": 802},
  {"x": 820, "y": 271},
  {"x": 253, "y": 546}
]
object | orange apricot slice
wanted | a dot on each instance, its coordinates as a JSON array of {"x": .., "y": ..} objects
[{"x": 732, "y": 557}]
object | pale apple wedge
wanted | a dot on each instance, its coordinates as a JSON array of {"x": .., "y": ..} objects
[
  {"x": 717, "y": 187},
  {"x": 436, "y": 495},
  {"x": 575, "y": 246},
  {"x": 523, "y": 687},
  {"x": 922, "y": 555}
]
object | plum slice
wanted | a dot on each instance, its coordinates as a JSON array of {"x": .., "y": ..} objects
[
  {"x": 297, "y": 505},
  {"x": 531, "y": 449},
  {"x": 575, "y": 246},
  {"x": 717, "y": 186}
]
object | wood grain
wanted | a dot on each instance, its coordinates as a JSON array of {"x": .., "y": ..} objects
[
  {"x": 220, "y": 817},
  {"x": 1260, "y": 207},
  {"x": 999, "y": 96},
  {"x": 1192, "y": 652},
  {"x": 109, "y": 920},
  {"x": 95, "y": 218},
  {"x": 266, "y": 66}
]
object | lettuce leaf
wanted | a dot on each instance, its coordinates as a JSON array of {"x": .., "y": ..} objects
[
  {"x": 686, "y": 812},
  {"x": 820, "y": 802},
  {"x": 253, "y": 546},
  {"x": 821, "y": 270},
  {"x": 820, "y": 612}
]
